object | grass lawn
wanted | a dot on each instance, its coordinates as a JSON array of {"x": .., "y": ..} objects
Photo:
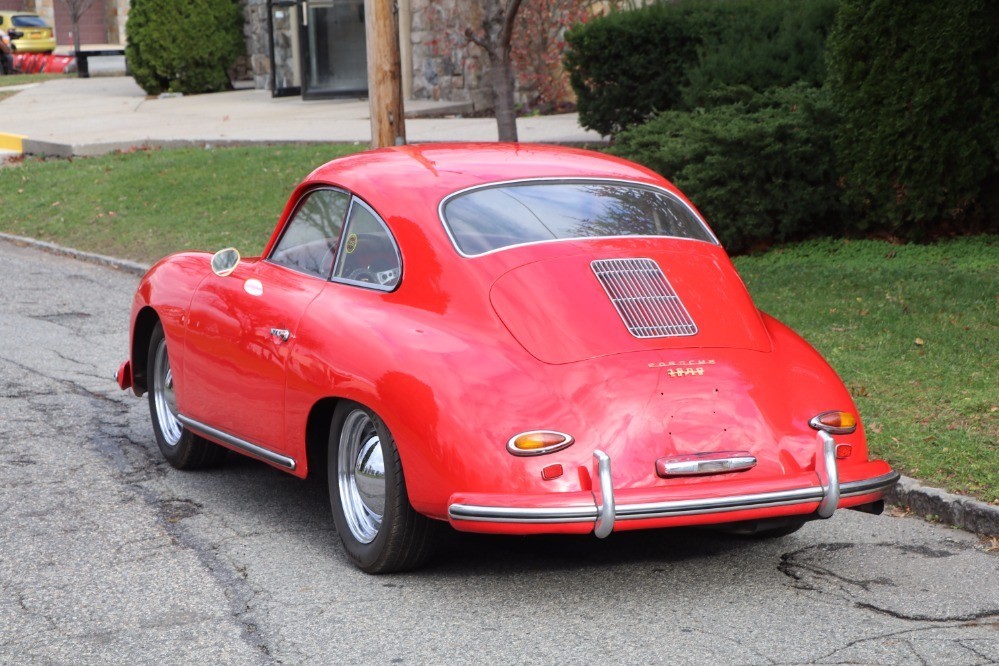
[
  {"x": 21, "y": 79},
  {"x": 913, "y": 330},
  {"x": 149, "y": 203}
]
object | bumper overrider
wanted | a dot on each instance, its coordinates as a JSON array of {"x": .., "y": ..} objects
[{"x": 607, "y": 511}]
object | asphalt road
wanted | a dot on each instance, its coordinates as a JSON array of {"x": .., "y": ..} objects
[{"x": 107, "y": 555}]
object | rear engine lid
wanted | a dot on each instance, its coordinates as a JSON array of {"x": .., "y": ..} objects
[{"x": 577, "y": 307}]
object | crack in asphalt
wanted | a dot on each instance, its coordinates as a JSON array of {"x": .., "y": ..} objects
[
  {"x": 912, "y": 617},
  {"x": 788, "y": 563},
  {"x": 112, "y": 441},
  {"x": 795, "y": 569},
  {"x": 902, "y": 632}
]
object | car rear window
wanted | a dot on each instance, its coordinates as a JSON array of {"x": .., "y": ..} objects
[
  {"x": 498, "y": 216},
  {"x": 28, "y": 22}
]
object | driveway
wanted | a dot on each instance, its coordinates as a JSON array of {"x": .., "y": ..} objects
[{"x": 110, "y": 556}]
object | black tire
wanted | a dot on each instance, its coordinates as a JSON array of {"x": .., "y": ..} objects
[
  {"x": 399, "y": 538},
  {"x": 182, "y": 448}
]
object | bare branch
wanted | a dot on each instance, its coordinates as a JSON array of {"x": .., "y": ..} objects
[
  {"x": 508, "y": 20},
  {"x": 478, "y": 41},
  {"x": 77, "y": 8}
]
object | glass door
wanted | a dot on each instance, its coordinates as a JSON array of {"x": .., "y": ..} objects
[
  {"x": 334, "y": 48},
  {"x": 286, "y": 66}
]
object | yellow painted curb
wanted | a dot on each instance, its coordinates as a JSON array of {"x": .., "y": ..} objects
[{"x": 12, "y": 142}]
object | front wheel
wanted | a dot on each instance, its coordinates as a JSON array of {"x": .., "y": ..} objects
[
  {"x": 379, "y": 529},
  {"x": 181, "y": 447}
]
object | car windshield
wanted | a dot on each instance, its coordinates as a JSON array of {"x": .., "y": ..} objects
[
  {"x": 494, "y": 217},
  {"x": 28, "y": 22}
]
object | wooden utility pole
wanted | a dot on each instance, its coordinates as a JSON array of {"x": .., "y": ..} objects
[{"x": 388, "y": 121}]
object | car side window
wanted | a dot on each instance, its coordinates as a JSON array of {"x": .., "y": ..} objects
[
  {"x": 309, "y": 241},
  {"x": 369, "y": 256}
]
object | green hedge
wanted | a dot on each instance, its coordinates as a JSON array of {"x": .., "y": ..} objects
[
  {"x": 183, "y": 46},
  {"x": 759, "y": 171},
  {"x": 917, "y": 84},
  {"x": 626, "y": 66}
]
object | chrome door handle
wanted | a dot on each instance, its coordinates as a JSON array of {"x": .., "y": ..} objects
[{"x": 282, "y": 333}]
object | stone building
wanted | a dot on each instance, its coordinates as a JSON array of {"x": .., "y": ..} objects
[
  {"x": 102, "y": 23},
  {"x": 317, "y": 49}
]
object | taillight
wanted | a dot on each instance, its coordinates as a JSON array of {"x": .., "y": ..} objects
[
  {"x": 836, "y": 423},
  {"x": 538, "y": 442}
]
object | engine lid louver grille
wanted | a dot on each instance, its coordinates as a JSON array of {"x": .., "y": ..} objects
[{"x": 644, "y": 298}]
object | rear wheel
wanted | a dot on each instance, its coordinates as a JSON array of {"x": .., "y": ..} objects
[
  {"x": 181, "y": 447},
  {"x": 379, "y": 529}
]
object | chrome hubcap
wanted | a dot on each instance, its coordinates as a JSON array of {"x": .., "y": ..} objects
[
  {"x": 163, "y": 396},
  {"x": 361, "y": 476}
]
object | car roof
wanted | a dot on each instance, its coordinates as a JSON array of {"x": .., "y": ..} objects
[{"x": 441, "y": 169}]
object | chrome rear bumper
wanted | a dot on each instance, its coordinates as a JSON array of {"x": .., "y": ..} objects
[{"x": 605, "y": 512}]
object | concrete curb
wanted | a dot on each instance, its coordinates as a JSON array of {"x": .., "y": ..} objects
[
  {"x": 924, "y": 501},
  {"x": 89, "y": 257},
  {"x": 940, "y": 506}
]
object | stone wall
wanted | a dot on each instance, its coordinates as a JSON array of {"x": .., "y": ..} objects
[
  {"x": 117, "y": 16},
  {"x": 257, "y": 63},
  {"x": 445, "y": 67}
]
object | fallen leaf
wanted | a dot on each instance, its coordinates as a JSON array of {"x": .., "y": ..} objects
[{"x": 920, "y": 342}]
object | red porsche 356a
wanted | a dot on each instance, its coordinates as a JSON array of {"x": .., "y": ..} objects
[{"x": 507, "y": 338}]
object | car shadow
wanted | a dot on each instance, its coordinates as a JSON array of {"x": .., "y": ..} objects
[{"x": 254, "y": 486}]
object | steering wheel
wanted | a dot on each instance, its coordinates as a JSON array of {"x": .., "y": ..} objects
[{"x": 363, "y": 275}]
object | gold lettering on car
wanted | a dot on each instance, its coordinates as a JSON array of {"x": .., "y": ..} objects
[
  {"x": 685, "y": 372},
  {"x": 683, "y": 364}
]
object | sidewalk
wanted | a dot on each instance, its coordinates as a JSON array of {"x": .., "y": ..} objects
[{"x": 67, "y": 117}]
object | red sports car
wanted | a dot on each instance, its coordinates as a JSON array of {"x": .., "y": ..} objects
[{"x": 508, "y": 338}]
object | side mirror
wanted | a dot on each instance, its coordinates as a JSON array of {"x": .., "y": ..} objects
[{"x": 224, "y": 262}]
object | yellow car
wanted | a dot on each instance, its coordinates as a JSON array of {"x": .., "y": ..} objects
[{"x": 29, "y": 33}]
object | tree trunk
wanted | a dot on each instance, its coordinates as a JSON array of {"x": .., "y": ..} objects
[
  {"x": 506, "y": 114},
  {"x": 76, "y": 33},
  {"x": 495, "y": 40}
]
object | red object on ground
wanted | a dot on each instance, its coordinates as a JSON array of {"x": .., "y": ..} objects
[{"x": 57, "y": 64}]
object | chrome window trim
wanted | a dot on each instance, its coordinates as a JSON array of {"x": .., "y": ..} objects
[
  {"x": 291, "y": 217},
  {"x": 246, "y": 447},
  {"x": 567, "y": 180},
  {"x": 354, "y": 199}
]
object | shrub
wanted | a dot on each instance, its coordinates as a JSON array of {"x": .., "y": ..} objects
[
  {"x": 626, "y": 66},
  {"x": 760, "y": 45},
  {"x": 916, "y": 85},
  {"x": 183, "y": 46},
  {"x": 760, "y": 171}
]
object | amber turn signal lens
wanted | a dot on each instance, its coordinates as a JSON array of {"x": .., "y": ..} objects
[
  {"x": 538, "y": 442},
  {"x": 837, "y": 423}
]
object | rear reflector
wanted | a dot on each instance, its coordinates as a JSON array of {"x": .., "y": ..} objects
[{"x": 551, "y": 472}]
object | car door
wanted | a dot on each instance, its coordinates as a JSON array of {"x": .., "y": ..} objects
[{"x": 242, "y": 328}]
